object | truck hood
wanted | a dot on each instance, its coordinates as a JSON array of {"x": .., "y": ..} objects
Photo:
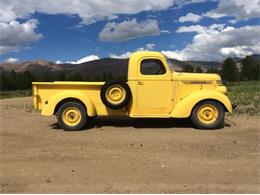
[{"x": 196, "y": 76}]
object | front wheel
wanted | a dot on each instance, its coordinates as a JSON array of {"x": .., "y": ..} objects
[
  {"x": 208, "y": 115},
  {"x": 72, "y": 116}
]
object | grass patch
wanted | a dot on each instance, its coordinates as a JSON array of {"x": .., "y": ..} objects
[
  {"x": 246, "y": 95},
  {"x": 15, "y": 93}
]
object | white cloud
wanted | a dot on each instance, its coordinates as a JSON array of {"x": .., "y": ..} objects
[
  {"x": 89, "y": 11},
  {"x": 11, "y": 60},
  {"x": 238, "y": 50},
  {"x": 165, "y": 31},
  {"x": 201, "y": 29},
  {"x": 59, "y": 62},
  {"x": 128, "y": 29},
  {"x": 213, "y": 14},
  {"x": 80, "y": 61},
  {"x": 190, "y": 17},
  {"x": 181, "y": 3},
  {"x": 240, "y": 9},
  {"x": 193, "y": 28},
  {"x": 121, "y": 56},
  {"x": 150, "y": 46},
  {"x": 87, "y": 59},
  {"x": 174, "y": 55},
  {"x": 14, "y": 34},
  {"x": 6, "y": 49},
  {"x": 147, "y": 47},
  {"x": 217, "y": 42}
]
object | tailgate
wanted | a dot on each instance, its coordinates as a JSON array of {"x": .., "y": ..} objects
[
  {"x": 35, "y": 96},
  {"x": 38, "y": 95}
]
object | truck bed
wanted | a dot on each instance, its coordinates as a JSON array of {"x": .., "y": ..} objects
[
  {"x": 68, "y": 83},
  {"x": 44, "y": 92}
]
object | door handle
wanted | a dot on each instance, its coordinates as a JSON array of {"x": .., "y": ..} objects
[{"x": 140, "y": 83}]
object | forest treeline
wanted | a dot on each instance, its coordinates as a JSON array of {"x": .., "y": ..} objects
[
  {"x": 23, "y": 80},
  {"x": 248, "y": 70}
]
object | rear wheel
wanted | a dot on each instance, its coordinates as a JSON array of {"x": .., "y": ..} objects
[
  {"x": 208, "y": 115},
  {"x": 72, "y": 116}
]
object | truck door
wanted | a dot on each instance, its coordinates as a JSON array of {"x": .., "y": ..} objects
[{"x": 155, "y": 88}]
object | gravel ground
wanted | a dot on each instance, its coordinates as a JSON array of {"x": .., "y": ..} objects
[{"x": 121, "y": 155}]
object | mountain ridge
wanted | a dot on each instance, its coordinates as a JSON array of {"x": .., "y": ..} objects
[{"x": 94, "y": 68}]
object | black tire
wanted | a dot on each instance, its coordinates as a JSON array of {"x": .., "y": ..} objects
[
  {"x": 91, "y": 118},
  {"x": 79, "y": 108},
  {"x": 216, "y": 123},
  {"x": 109, "y": 86}
]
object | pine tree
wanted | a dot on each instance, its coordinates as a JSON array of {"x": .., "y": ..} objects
[
  {"x": 188, "y": 68},
  {"x": 97, "y": 78},
  {"x": 229, "y": 70},
  {"x": 3, "y": 81},
  {"x": 75, "y": 77},
  {"x": 257, "y": 71},
  {"x": 212, "y": 70},
  {"x": 250, "y": 69},
  {"x": 14, "y": 80},
  {"x": 60, "y": 76},
  {"x": 198, "y": 69},
  {"x": 110, "y": 76},
  {"x": 122, "y": 78},
  {"x": 46, "y": 77},
  {"x": 104, "y": 76},
  {"x": 25, "y": 80}
]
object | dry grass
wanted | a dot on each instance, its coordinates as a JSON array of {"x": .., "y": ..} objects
[
  {"x": 246, "y": 95},
  {"x": 15, "y": 93}
]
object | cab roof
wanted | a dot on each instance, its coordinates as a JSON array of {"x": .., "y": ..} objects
[
  {"x": 139, "y": 54},
  {"x": 136, "y": 57}
]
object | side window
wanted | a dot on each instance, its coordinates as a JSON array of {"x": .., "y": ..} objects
[{"x": 152, "y": 67}]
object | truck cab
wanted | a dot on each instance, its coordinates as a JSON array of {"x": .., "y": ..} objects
[{"x": 152, "y": 90}]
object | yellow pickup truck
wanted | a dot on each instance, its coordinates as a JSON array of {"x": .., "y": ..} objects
[{"x": 153, "y": 90}]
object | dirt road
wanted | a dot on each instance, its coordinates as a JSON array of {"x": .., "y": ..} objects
[{"x": 122, "y": 156}]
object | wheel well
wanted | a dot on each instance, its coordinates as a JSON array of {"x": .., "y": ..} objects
[
  {"x": 68, "y": 100},
  {"x": 214, "y": 100}
]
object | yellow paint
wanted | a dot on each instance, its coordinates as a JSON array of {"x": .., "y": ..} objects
[
  {"x": 207, "y": 114},
  {"x": 185, "y": 105},
  {"x": 71, "y": 116},
  {"x": 50, "y": 104},
  {"x": 221, "y": 89},
  {"x": 115, "y": 94},
  {"x": 172, "y": 94}
]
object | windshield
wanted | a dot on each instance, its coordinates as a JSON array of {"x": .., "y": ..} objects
[{"x": 169, "y": 62}]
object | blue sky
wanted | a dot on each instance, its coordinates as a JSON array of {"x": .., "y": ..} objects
[{"x": 77, "y": 31}]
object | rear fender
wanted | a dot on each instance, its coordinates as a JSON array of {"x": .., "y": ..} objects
[
  {"x": 184, "y": 107},
  {"x": 51, "y": 104}
]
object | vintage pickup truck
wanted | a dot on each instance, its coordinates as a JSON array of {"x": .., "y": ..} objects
[{"x": 152, "y": 90}]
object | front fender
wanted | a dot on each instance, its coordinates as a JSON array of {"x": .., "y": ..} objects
[
  {"x": 49, "y": 108},
  {"x": 184, "y": 107}
]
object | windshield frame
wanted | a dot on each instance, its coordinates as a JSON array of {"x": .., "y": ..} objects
[{"x": 170, "y": 64}]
